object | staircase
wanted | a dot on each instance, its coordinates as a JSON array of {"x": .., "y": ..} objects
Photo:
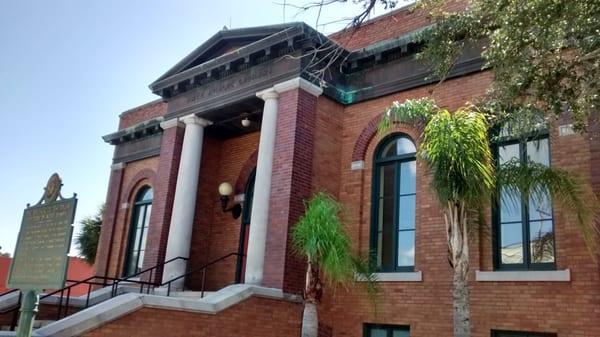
[{"x": 114, "y": 296}]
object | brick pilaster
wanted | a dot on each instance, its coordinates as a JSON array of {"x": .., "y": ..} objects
[
  {"x": 162, "y": 204},
  {"x": 109, "y": 219},
  {"x": 290, "y": 187}
]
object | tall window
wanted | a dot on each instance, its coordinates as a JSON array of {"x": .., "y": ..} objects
[
  {"x": 524, "y": 225},
  {"x": 394, "y": 191},
  {"x": 385, "y": 330},
  {"x": 138, "y": 231}
]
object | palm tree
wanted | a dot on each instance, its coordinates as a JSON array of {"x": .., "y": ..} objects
[
  {"x": 87, "y": 239},
  {"x": 456, "y": 149},
  {"x": 319, "y": 236}
]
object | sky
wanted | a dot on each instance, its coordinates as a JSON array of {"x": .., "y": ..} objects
[{"x": 68, "y": 68}]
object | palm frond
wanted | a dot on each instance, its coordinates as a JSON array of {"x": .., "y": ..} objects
[
  {"x": 320, "y": 236},
  {"x": 537, "y": 180},
  {"x": 413, "y": 111},
  {"x": 456, "y": 148}
]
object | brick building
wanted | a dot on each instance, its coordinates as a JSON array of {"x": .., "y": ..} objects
[{"x": 242, "y": 109}]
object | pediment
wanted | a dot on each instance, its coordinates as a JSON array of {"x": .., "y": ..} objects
[{"x": 225, "y": 42}]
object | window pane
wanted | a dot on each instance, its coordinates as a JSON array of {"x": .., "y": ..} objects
[
  {"x": 140, "y": 262},
  {"x": 147, "y": 218},
  {"x": 387, "y": 180},
  {"x": 510, "y": 206},
  {"x": 406, "y": 212},
  {"x": 133, "y": 260},
  {"x": 137, "y": 238},
  {"x": 511, "y": 243},
  {"x": 407, "y": 177},
  {"x": 146, "y": 195},
  {"x": 540, "y": 207},
  {"x": 398, "y": 147},
  {"x": 538, "y": 151},
  {"x": 406, "y": 248},
  {"x": 387, "y": 232},
  {"x": 541, "y": 243},
  {"x": 508, "y": 152},
  {"x": 401, "y": 333},
  {"x": 375, "y": 332}
]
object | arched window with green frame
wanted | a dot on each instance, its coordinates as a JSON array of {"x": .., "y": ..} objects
[
  {"x": 394, "y": 203},
  {"x": 138, "y": 231}
]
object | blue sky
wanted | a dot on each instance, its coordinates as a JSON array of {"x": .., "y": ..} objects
[{"x": 69, "y": 67}]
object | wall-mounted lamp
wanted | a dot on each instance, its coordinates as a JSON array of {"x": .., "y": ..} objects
[
  {"x": 246, "y": 122},
  {"x": 225, "y": 190}
]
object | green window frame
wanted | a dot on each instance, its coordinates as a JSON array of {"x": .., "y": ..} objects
[
  {"x": 393, "y": 223},
  {"x": 385, "y": 330},
  {"x": 138, "y": 231},
  {"x": 523, "y": 229},
  {"x": 501, "y": 333}
]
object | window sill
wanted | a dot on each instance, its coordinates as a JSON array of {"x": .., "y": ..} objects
[
  {"x": 415, "y": 276},
  {"x": 524, "y": 276}
]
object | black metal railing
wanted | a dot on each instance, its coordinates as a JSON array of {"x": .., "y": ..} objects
[
  {"x": 202, "y": 269},
  {"x": 64, "y": 294}
]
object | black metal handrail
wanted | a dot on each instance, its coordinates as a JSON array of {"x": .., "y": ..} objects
[
  {"x": 195, "y": 270},
  {"x": 105, "y": 281}
]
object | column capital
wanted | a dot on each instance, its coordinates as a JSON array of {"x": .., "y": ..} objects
[
  {"x": 193, "y": 119},
  {"x": 296, "y": 83},
  {"x": 268, "y": 93},
  {"x": 173, "y": 122},
  {"x": 117, "y": 166}
]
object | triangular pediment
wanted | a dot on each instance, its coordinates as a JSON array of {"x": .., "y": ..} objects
[{"x": 224, "y": 42}]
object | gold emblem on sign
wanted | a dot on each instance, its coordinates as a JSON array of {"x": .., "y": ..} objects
[{"x": 52, "y": 189}]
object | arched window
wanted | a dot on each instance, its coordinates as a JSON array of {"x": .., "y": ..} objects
[
  {"x": 394, "y": 192},
  {"x": 138, "y": 231}
]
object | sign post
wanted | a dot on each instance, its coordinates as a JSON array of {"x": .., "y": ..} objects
[{"x": 40, "y": 260}]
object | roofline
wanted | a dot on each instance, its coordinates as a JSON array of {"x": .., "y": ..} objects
[{"x": 139, "y": 107}]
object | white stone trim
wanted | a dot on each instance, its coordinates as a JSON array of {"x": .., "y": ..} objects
[
  {"x": 566, "y": 130},
  {"x": 239, "y": 198},
  {"x": 98, "y": 315},
  {"x": 268, "y": 93},
  {"x": 296, "y": 83},
  {"x": 357, "y": 165},
  {"x": 124, "y": 205},
  {"x": 524, "y": 276},
  {"x": 118, "y": 166},
  {"x": 415, "y": 276},
  {"x": 173, "y": 122},
  {"x": 193, "y": 119}
]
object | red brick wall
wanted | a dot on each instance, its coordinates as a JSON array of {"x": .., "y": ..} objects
[
  {"x": 291, "y": 185},
  {"x": 255, "y": 317},
  {"x": 142, "y": 113},
  {"x": 570, "y": 309},
  {"x": 388, "y": 26},
  {"x": 162, "y": 204},
  {"x": 216, "y": 234},
  {"x": 135, "y": 175}
]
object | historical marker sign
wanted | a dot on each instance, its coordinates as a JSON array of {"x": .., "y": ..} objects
[{"x": 40, "y": 260}]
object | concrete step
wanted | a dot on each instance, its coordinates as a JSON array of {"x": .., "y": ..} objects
[
  {"x": 182, "y": 294},
  {"x": 41, "y": 323}
]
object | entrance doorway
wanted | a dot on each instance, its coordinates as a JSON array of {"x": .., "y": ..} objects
[{"x": 245, "y": 228}]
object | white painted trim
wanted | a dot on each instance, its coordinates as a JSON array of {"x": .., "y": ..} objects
[
  {"x": 98, "y": 315},
  {"x": 296, "y": 83},
  {"x": 193, "y": 119},
  {"x": 524, "y": 276},
  {"x": 415, "y": 276},
  {"x": 173, "y": 122},
  {"x": 117, "y": 166},
  {"x": 357, "y": 165},
  {"x": 268, "y": 93}
]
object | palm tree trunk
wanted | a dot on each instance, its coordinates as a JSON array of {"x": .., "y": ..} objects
[
  {"x": 310, "y": 320},
  {"x": 312, "y": 295},
  {"x": 458, "y": 251}
]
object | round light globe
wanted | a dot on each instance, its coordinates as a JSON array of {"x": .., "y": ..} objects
[
  {"x": 225, "y": 189},
  {"x": 245, "y": 122}
]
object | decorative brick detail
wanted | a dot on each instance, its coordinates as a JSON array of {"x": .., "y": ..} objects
[
  {"x": 162, "y": 204},
  {"x": 360, "y": 147},
  {"x": 109, "y": 219},
  {"x": 142, "y": 113},
  {"x": 255, "y": 317},
  {"x": 291, "y": 186},
  {"x": 242, "y": 180}
]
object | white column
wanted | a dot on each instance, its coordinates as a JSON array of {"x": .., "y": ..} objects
[
  {"x": 184, "y": 203},
  {"x": 260, "y": 203}
]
